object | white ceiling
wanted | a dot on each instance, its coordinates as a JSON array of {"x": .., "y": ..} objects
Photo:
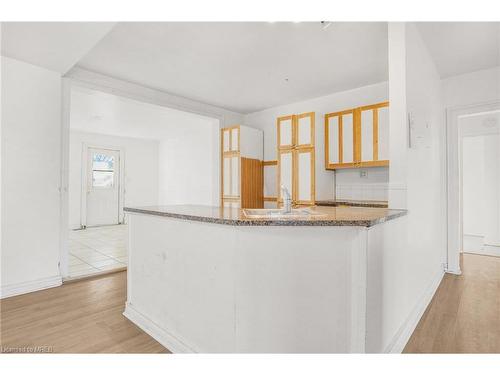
[
  {"x": 52, "y": 45},
  {"x": 244, "y": 67},
  {"x": 102, "y": 113},
  {"x": 462, "y": 47}
]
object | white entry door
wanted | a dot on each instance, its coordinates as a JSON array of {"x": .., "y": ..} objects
[{"x": 103, "y": 190}]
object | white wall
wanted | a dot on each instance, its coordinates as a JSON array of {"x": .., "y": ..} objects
[
  {"x": 492, "y": 189},
  {"x": 266, "y": 120},
  {"x": 472, "y": 88},
  {"x": 144, "y": 94},
  {"x": 412, "y": 266},
  {"x": 31, "y": 148},
  {"x": 426, "y": 174},
  {"x": 189, "y": 167},
  {"x": 473, "y": 185},
  {"x": 481, "y": 189},
  {"x": 364, "y": 184},
  {"x": 140, "y": 170}
]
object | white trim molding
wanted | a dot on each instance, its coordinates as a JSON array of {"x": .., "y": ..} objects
[
  {"x": 12, "y": 290},
  {"x": 169, "y": 341},
  {"x": 453, "y": 179},
  {"x": 404, "y": 333}
]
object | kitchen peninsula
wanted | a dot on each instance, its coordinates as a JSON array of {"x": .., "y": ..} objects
[{"x": 212, "y": 279}]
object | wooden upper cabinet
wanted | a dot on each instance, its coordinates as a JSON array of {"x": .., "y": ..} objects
[
  {"x": 357, "y": 137},
  {"x": 241, "y": 167}
]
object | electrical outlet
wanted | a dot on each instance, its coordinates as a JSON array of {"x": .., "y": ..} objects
[{"x": 363, "y": 174}]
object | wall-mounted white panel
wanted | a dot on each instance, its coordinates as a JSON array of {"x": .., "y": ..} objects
[
  {"x": 270, "y": 183},
  {"x": 304, "y": 130},
  {"x": 286, "y": 170},
  {"x": 367, "y": 135},
  {"x": 383, "y": 133},
  {"x": 348, "y": 138},
  {"x": 333, "y": 139},
  {"x": 285, "y": 133},
  {"x": 304, "y": 176}
]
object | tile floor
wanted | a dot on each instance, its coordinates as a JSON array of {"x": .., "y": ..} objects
[{"x": 94, "y": 250}]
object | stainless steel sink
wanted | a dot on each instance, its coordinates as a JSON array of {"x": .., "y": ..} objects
[{"x": 266, "y": 213}]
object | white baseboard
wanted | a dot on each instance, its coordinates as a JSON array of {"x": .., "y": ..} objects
[
  {"x": 491, "y": 250},
  {"x": 404, "y": 333},
  {"x": 166, "y": 339},
  {"x": 472, "y": 243},
  {"x": 11, "y": 290}
]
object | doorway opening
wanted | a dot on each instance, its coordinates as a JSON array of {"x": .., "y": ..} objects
[
  {"x": 480, "y": 180},
  {"x": 473, "y": 142},
  {"x": 125, "y": 152}
]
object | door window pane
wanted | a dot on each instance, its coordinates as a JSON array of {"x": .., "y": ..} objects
[
  {"x": 103, "y": 162},
  {"x": 103, "y": 170},
  {"x": 103, "y": 179}
]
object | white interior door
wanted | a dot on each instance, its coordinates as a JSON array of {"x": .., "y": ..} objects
[{"x": 103, "y": 190}]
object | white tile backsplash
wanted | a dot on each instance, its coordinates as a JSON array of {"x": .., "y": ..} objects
[{"x": 370, "y": 191}]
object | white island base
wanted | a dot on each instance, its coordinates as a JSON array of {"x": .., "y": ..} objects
[{"x": 210, "y": 287}]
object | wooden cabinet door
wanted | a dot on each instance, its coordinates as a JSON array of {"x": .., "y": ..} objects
[
  {"x": 339, "y": 140},
  {"x": 286, "y": 133},
  {"x": 286, "y": 166},
  {"x": 231, "y": 177},
  {"x": 304, "y": 130},
  {"x": 226, "y": 140},
  {"x": 332, "y": 140},
  {"x": 374, "y": 135},
  {"x": 230, "y": 139},
  {"x": 347, "y": 131},
  {"x": 367, "y": 121},
  {"x": 383, "y": 133},
  {"x": 305, "y": 176}
]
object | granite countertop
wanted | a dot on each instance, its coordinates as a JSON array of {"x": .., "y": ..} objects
[
  {"x": 324, "y": 216},
  {"x": 353, "y": 203}
]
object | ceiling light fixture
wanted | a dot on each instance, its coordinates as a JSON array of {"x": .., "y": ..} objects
[{"x": 325, "y": 24}]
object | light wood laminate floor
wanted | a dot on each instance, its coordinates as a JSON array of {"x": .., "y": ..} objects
[
  {"x": 79, "y": 317},
  {"x": 86, "y": 316},
  {"x": 464, "y": 315}
]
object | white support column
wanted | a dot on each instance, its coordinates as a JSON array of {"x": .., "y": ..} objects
[{"x": 398, "y": 135}]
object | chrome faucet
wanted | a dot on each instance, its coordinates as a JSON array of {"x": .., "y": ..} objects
[{"x": 287, "y": 200}]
